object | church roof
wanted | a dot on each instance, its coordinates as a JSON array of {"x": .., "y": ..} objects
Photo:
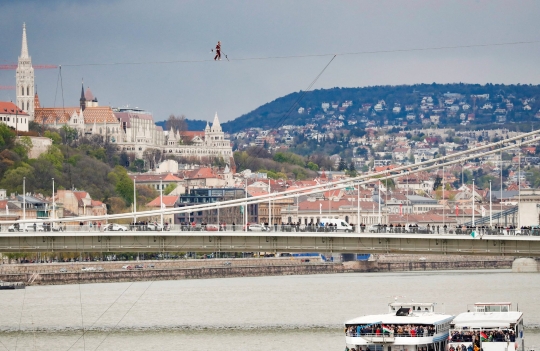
[
  {"x": 88, "y": 95},
  {"x": 9, "y": 108},
  {"x": 102, "y": 114},
  {"x": 52, "y": 114}
]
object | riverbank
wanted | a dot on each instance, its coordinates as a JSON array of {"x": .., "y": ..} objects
[{"x": 101, "y": 272}]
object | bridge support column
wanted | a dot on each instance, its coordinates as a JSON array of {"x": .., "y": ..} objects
[{"x": 525, "y": 265}]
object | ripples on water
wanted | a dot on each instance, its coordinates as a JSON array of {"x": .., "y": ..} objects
[{"x": 265, "y": 313}]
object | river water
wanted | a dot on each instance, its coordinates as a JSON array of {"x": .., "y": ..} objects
[{"x": 263, "y": 313}]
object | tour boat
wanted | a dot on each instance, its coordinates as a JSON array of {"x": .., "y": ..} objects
[
  {"x": 490, "y": 327},
  {"x": 408, "y": 326}
]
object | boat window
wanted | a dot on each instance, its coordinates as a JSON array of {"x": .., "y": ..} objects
[{"x": 504, "y": 309}]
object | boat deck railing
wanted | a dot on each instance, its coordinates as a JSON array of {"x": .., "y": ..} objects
[{"x": 387, "y": 335}]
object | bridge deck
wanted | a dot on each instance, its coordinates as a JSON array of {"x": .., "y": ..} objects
[{"x": 235, "y": 241}]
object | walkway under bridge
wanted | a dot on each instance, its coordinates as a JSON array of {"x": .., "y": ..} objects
[{"x": 234, "y": 241}]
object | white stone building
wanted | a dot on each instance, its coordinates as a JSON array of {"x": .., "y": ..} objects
[
  {"x": 14, "y": 117},
  {"x": 133, "y": 130}
]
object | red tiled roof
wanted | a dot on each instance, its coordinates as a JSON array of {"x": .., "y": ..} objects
[
  {"x": 9, "y": 108},
  {"x": 192, "y": 134},
  {"x": 171, "y": 178},
  {"x": 168, "y": 201},
  {"x": 204, "y": 172},
  {"x": 101, "y": 114},
  {"x": 50, "y": 115},
  {"x": 95, "y": 203}
]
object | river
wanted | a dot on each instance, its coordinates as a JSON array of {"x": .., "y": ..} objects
[{"x": 263, "y": 313}]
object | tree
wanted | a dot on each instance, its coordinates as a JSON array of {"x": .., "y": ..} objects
[
  {"x": 123, "y": 184},
  {"x": 54, "y": 156},
  {"x": 23, "y": 146},
  {"x": 7, "y": 137},
  {"x": 13, "y": 179},
  {"x": 437, "y": 183},
  {"x": 342, "y": 166},
  {"x": 56, "y": 138},
  {"x": 312, "y": 166},
  {"x": 176, "y": 123},
  {"x": 169, "y": 188}
]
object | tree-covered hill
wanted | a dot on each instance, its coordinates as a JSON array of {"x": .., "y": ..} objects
[
  {"x": 74, "y": 162},
  {"x": 276, "y": 113}
]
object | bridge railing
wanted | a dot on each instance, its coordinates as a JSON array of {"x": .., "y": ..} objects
[{"x": 284, "y": 228}]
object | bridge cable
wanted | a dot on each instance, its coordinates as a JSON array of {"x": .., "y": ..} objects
[
  {"x": 434, "y": 48},
  {"x": 20, "y": 319},
  {"x": 109, "y": 333},
  {"x": 290, "y": 110},
  {"x": 82, "y": 317},
  {"x": 108, "y": 308}
]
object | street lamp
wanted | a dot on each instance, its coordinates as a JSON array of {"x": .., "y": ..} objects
[
  {"x": 53, "y": 198},
  {"x": 473, "y": 203},
  {"x": 358, "y": 212},
  {"x": 490, "y": 207},
  {"x": 134, "y": 199},
  {"x": 161, "y": 200},
  {"x": 24, "y": 197}
]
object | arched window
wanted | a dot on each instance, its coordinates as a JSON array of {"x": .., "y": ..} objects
[
  {"x": 22, "y": 91},
  {"x": 28, "y": 91},
  {"x": 27, "y": 105}
]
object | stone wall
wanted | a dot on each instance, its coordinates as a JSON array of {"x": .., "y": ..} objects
[{"x": 221, "y": 268}]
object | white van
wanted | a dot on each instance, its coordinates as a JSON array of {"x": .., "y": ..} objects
[
  {"x": 30, "y": 227},
  {"x": 337, "y": 223}
]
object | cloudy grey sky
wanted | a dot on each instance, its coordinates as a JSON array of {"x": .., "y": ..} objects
[{"x": 113, "y": 31}]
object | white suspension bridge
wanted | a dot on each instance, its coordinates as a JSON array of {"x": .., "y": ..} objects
[{"x": 291, "y": 239}]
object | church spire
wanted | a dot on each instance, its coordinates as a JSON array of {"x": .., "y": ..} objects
[
  {"x": 82, "y": 101},
  {"x": 24, "y": 48}
]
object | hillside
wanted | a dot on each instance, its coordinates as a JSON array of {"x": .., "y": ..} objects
[
  {"x": 274, "y": 114},
  {"x": 192, "y": 124}
]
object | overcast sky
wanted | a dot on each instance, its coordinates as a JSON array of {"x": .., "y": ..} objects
[{"x": 116, "y": 31}]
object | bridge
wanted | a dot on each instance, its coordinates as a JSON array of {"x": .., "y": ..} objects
[{"x": 238, "y": 241}]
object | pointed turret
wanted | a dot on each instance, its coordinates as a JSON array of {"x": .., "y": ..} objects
[
  {"x": 207, "y": 129},
  {"x": 36, "y": 101},
  {"x": 24, "y": 48},
  {"x": 82, "y": 100},
  {"x": 171, "y": 137},
  {"x": 216, "y": 127}
]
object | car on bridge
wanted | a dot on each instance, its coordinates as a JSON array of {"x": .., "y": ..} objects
[
  {"x": 154, "y": 226},
  {"x": 114, "y": 227},
  {"x": 254, "y": 227}
]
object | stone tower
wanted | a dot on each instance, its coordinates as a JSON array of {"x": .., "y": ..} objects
[{"x": 25, "y": 80}]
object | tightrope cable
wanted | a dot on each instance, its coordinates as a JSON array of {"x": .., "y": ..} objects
[{"x": 369, "y": 52}]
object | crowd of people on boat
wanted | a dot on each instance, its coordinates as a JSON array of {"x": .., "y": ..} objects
[
  {"x": 500, "y": 335},
  {"x": 397, "y": 330}
]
